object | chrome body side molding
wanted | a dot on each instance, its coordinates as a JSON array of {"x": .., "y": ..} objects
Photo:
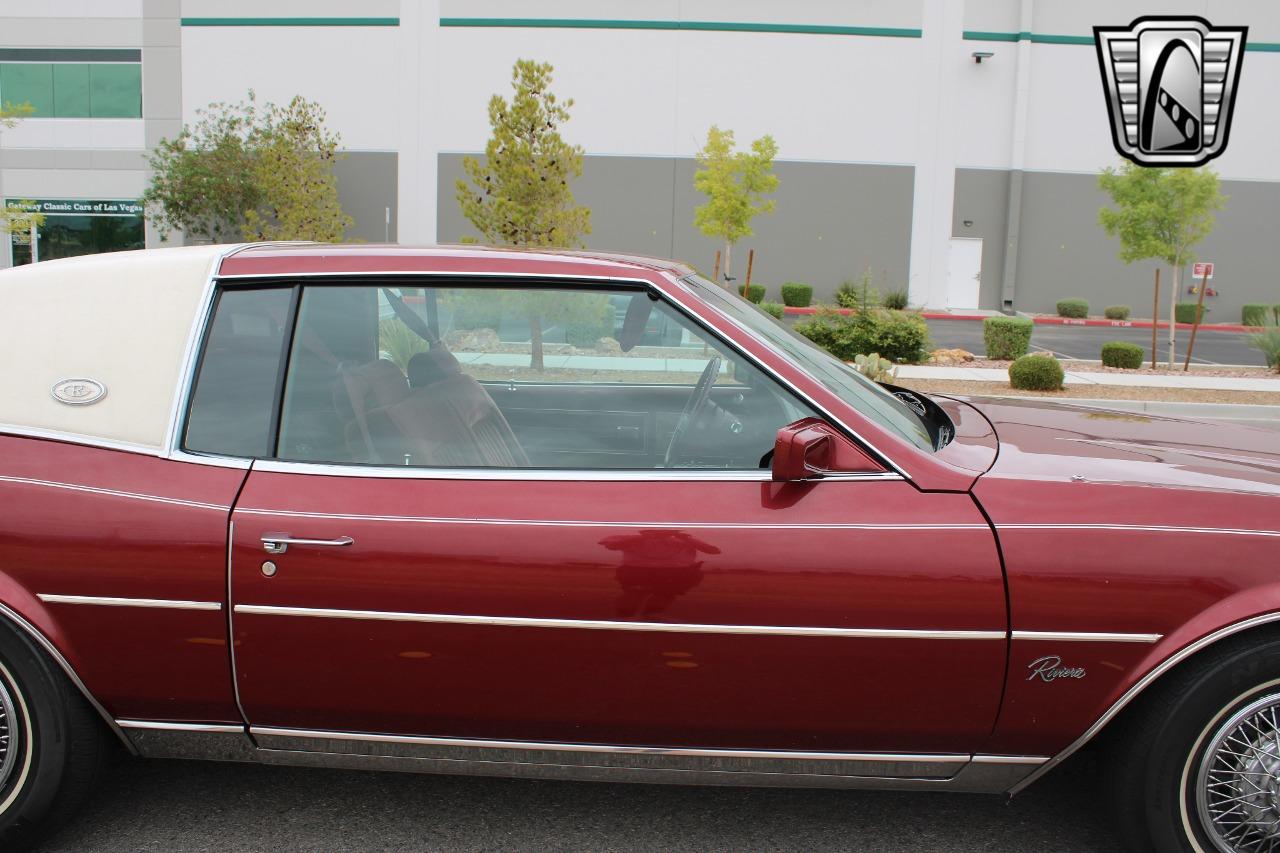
[
  {"x": 1086, "y": 637},
  {"x": 107, "y": 601},
  {"x": 41, "y": 640},
  {"x": 1142, "y": 684},
  {"x": 609, "y": 625},
  {"x": 584, "y": 762}
]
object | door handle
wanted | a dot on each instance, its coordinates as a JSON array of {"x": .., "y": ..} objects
[{"x": 278, "y": 543}]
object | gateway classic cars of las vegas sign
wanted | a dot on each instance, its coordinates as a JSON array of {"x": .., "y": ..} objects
[{"x": 1170, "y": 85}]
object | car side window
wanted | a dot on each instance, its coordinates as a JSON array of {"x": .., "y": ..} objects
[
  {"x": 233, "y": 401},
  {"x": 503, "y": 376}
]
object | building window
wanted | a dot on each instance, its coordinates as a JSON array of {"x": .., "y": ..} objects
[
  {"x": 78, "y": 227},
  {"x": 73, "y": 83}
]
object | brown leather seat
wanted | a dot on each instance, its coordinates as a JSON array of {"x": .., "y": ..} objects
[
  {"x": 448, "y": 422},
  {"x": 361, "y": 390}
]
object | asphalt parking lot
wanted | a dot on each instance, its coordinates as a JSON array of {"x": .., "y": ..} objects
[
  {"x": 177, "y": 806},
  {"x": 1086, "y": 342}
]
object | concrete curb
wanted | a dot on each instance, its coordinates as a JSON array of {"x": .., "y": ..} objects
[
  {"x": 1210, "y": 411},
  {"x": 1051, "y": 321}
]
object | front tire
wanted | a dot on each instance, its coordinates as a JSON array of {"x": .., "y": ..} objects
[
  {"x": 52, "y": 743},
  {"x": 1197, "y": 768}
]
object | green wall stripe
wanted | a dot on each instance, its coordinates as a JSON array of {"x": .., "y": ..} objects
[
  {"x": 290, "y": 22},
  {"x": 1035, "y": 38},
  {"x": 711, "y": 26},
  {"x": 1044, "y": 38}
]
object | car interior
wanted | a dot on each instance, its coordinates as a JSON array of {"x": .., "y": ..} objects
[{"x": 443, "y": 377}]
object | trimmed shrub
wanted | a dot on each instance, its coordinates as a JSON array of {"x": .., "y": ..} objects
[
  {"x": 895, "y": 300},
  {"x": 1077, "y": 308},
  {"x": 773, "y": 309},
  {"x": 755, "y": 293},
  {"x": 1007, "y": 337},
  {"x": 1036, "y": 373},
  {"x": 1186, "y": 312},
  {"x": 1122, "y": 354},
  {"x": 900, "y": 336},
  {"x": 797, "y": 295},
  {"x": 1268, "y": 343},
  {"x": 1255, "y": 315},
  {"x": 1116, "y": 312}
]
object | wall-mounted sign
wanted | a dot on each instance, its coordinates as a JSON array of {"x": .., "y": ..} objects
[
  {"x": 76, "y": 207},
  {"x": 1202, "y": 269}
]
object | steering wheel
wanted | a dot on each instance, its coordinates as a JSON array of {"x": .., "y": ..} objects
[{"x": 692, "y": 409}]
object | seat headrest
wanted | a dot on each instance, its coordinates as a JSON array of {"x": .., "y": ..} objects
[
  {"x": 428, "y": 367},
  {"x": 375, "y": 384}
]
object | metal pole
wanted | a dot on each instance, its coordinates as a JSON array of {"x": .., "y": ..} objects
[
  {"x": 386, "y": 227},
  {"x": 1155, "y": 320},
  {"x": 1204, "y": 285}
]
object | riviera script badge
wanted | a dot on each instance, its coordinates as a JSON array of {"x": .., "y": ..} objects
[{"x": 1049, "y": 668}]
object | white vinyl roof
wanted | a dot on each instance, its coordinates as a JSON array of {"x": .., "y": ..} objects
[{"x": 123, "y": 319}]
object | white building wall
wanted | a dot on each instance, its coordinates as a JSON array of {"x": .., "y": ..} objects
[{"x": 352, "y": 72}]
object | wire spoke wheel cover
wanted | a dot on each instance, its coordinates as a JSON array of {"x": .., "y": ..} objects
[
  {"x": 1237, "y": 787},
  {"x": 10, "y": 734}
]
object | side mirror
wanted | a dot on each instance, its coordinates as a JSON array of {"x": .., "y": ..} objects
[{"x": 801, "y": 450}]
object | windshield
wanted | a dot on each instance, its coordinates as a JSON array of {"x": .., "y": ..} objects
[{"x": 869, "y": 398}]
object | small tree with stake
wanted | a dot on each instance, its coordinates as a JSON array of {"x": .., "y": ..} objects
[
  {"x": 1160, "y": 213},
  {"x": 735, "y": 183},
  {"x": 520, "y": 194}
]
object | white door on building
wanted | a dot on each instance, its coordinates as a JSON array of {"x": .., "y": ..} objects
[{"x": 964, "y": 272}]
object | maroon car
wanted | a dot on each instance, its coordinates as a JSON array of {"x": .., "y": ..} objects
[{"x": 459, "y": 510}]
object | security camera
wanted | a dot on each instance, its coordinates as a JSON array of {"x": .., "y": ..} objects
[{"x": 979, "y": 55}]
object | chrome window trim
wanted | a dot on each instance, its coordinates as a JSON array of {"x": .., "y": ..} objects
[
  {"x": 158, "y": 725},
  {"x": 239, "y": 462},
  {"x": 98, "y": 490},
  {"x": 191, "y": 353},
  {"x": 1141, "y": 685},
  {"x": 1087, "y": 637},
  {"x": 583, "y": 475},
  {"x": 665, "y": 275},
  {"x": 1141, "y": 528},
  {"x": 671, "y": 525},
  {"x": 414, "y": 740},
  {"x": 454, "y": 274},
  {"x": 45, "y": 643},
  {"x": 111, "y": 601},
  {"x": 610, "y": 625}
]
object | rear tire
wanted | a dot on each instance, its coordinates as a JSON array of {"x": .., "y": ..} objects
[
  {"x": 52, "y": 743},
  {"x": 1197, "y": 768}
]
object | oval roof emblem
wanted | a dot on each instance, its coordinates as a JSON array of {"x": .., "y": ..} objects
[{"x": 78, "y": 392}]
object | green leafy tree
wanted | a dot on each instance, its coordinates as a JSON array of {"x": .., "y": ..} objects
[
  {"x": 1160, "y": 213},
  {"x": 11, "y": 113},
  {"x": 735, "y": 184},
  {"x": 293, "y": 159},
  {"x": 14, "y": 219},
  {"x": 241, "y": 172},
  {"x": 520, "y": 194}
]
